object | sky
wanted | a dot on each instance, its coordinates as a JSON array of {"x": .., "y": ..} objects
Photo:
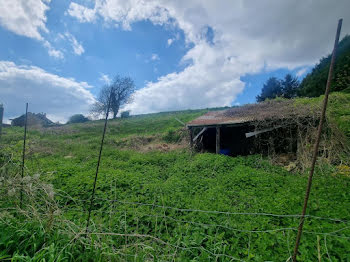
[{"x": 184, "y": 54}]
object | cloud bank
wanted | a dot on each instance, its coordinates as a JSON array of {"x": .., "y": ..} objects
[
  {"x": 28, "y": 18},
  {"x": 24, "y": 17},
  {"x": 230, "y": 39},
  {"x": 57, "y": 96}
]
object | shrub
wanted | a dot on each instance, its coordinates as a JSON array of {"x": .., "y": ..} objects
[
  {"x": 125, "y": 114},
  {"x": 172, "y": 135},
  {"x": 78, "y": 118}
]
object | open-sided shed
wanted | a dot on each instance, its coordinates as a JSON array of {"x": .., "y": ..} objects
[{"x": 251, "y": 128}]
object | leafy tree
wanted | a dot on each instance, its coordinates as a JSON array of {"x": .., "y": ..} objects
[
  {"x": 271, "y": 89},
  {"x": 125, "y": 114},
  {"x": 77, "y": 118},
  {"x": 290, "y": 86},
  {"x": 120, "y": 91},
  {"x": 314, "y": 84}
]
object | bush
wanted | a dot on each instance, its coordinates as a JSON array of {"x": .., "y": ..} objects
[
  {"x": 125, "y": 114},
  {"x": 172, "y": 135},
  {"x": 78, "y": 118}
]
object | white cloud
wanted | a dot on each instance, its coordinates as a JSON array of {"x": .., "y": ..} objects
[
  {"x": 28, "y": 18},
  {"x": 154, "y": 57},
  {"x": 121, "y": 13},
  {"x": 244, "y": 40},
  {"x": 24, "y": 17},
  {"x": 301, "y": 71},
  {"x": 57, "y": 96},
  {"x": 82, "y": 13},
  {"x": 77, "y": 47},
  {"x": 170, "y": 41},
  {"x": 56, "y": 53},
  {"x": 52, "y": 51},
  {"x": 105, "y": 78}
]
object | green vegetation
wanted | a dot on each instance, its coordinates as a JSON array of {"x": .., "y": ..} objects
[
  {"x": 286, "y": 88},
  {"x": 125, "y": 114},
  {"x": 77, "y": 118},
  {"x": 149, "y": 199},
  {"x": 314, "y": 83},
  {"x": 338, "y": 110}
]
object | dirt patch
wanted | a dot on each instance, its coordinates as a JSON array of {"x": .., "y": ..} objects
[
  {"x": 288, "y": 161},
  {"x": 39, "y": 147},
  {"x": 163, "y": 147},
  {"x": 148, "y": 144},
  {"x": 59, "y": 130}
]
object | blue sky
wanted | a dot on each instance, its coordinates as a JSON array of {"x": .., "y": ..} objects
[
  {"x": 56, "y": 55},
  {"x": 107, "y": 50}
]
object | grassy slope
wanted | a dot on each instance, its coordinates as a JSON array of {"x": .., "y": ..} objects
[
  {"x": 66, "y": 157},
  {"x": 338, "y": 109}
]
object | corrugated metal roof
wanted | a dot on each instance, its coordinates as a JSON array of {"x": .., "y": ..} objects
[{"x": 270, "y": 110}]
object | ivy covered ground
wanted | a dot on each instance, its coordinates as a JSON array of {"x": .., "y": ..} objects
[{"x": 155, "y": 201}]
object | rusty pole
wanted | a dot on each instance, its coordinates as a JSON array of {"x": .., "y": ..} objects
[
  {"x": 1, "y": 117},
  {"x": 317, "y": 143},
  {"x": 98, "y": 162},
  {"x": 23, "y": 155}
]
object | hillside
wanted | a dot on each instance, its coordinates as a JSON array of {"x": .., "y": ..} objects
[
  {"x": 314, "y": 84},
  {"x": 157, "y": 201}
]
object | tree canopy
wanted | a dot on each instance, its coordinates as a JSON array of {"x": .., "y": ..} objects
[
  {"x": 119, "y": 91},
  {"x": 77, "y": 118},
  {"x": 290, "y": 86},
  {"x": 287, "y": 88},
  {"x": 314, "y": 84},
  {"x": 271, "y": 89}
]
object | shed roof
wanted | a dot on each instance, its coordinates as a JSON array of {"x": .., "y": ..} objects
[{"x": 269, "y": 110}]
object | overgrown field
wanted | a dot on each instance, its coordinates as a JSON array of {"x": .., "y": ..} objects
[{"x": 155, "y": 201}]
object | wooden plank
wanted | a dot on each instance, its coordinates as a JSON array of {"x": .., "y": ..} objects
[
  {"x": 257, "y": 132},
  {"x": 218, "y": 139},
  {"x": 178, "y": 120},
  {"x": 201, "y": 132},
  {"x": 191, "y": 137}
]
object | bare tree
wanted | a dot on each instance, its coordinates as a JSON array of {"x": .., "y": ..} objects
[{"x": 120, "y": 90}]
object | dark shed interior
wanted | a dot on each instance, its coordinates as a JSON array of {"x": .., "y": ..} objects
[
  {"x": 232, "y": 140},
  {"x": 267, "y": 127},
  {"x": 241, "y": 139}
]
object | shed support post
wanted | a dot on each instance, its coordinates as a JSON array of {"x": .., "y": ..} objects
[
  {"x": 1, "y": 116},
  {"x": 218, "y": 139},
  {"x": 191, "y": 137}
]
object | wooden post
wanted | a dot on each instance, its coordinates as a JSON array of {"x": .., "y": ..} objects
[
  {"x": 218, "y": 139},
  {"x": 191, "y": 137},
  {"x": 1, "y": 116}
]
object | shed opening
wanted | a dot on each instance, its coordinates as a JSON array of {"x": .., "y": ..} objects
[{"x": 247, "y": 139}]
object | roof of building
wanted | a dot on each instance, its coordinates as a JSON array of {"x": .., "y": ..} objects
[
  {"x": 269, "y": 110},
  {"x": 33, "y": 119}
]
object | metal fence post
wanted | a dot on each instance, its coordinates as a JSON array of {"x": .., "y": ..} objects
[
  {"x": 1, "y": 117},
  {"x": 98, "y": 163},
  {"x": 23, "y": 154},
  {"x": 317, "y": 143}
]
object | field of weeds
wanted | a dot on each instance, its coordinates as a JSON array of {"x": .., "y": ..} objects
[{"x": 155, "y": 201}]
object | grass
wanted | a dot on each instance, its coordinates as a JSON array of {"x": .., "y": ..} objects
[
  {"x": 338, "y": 109},
  {"x": 172, "y": 186}
]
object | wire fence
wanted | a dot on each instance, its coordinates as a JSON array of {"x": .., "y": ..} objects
[
  {"x": 168, "y": 230},
  {"x": 172, "y": 232}
]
